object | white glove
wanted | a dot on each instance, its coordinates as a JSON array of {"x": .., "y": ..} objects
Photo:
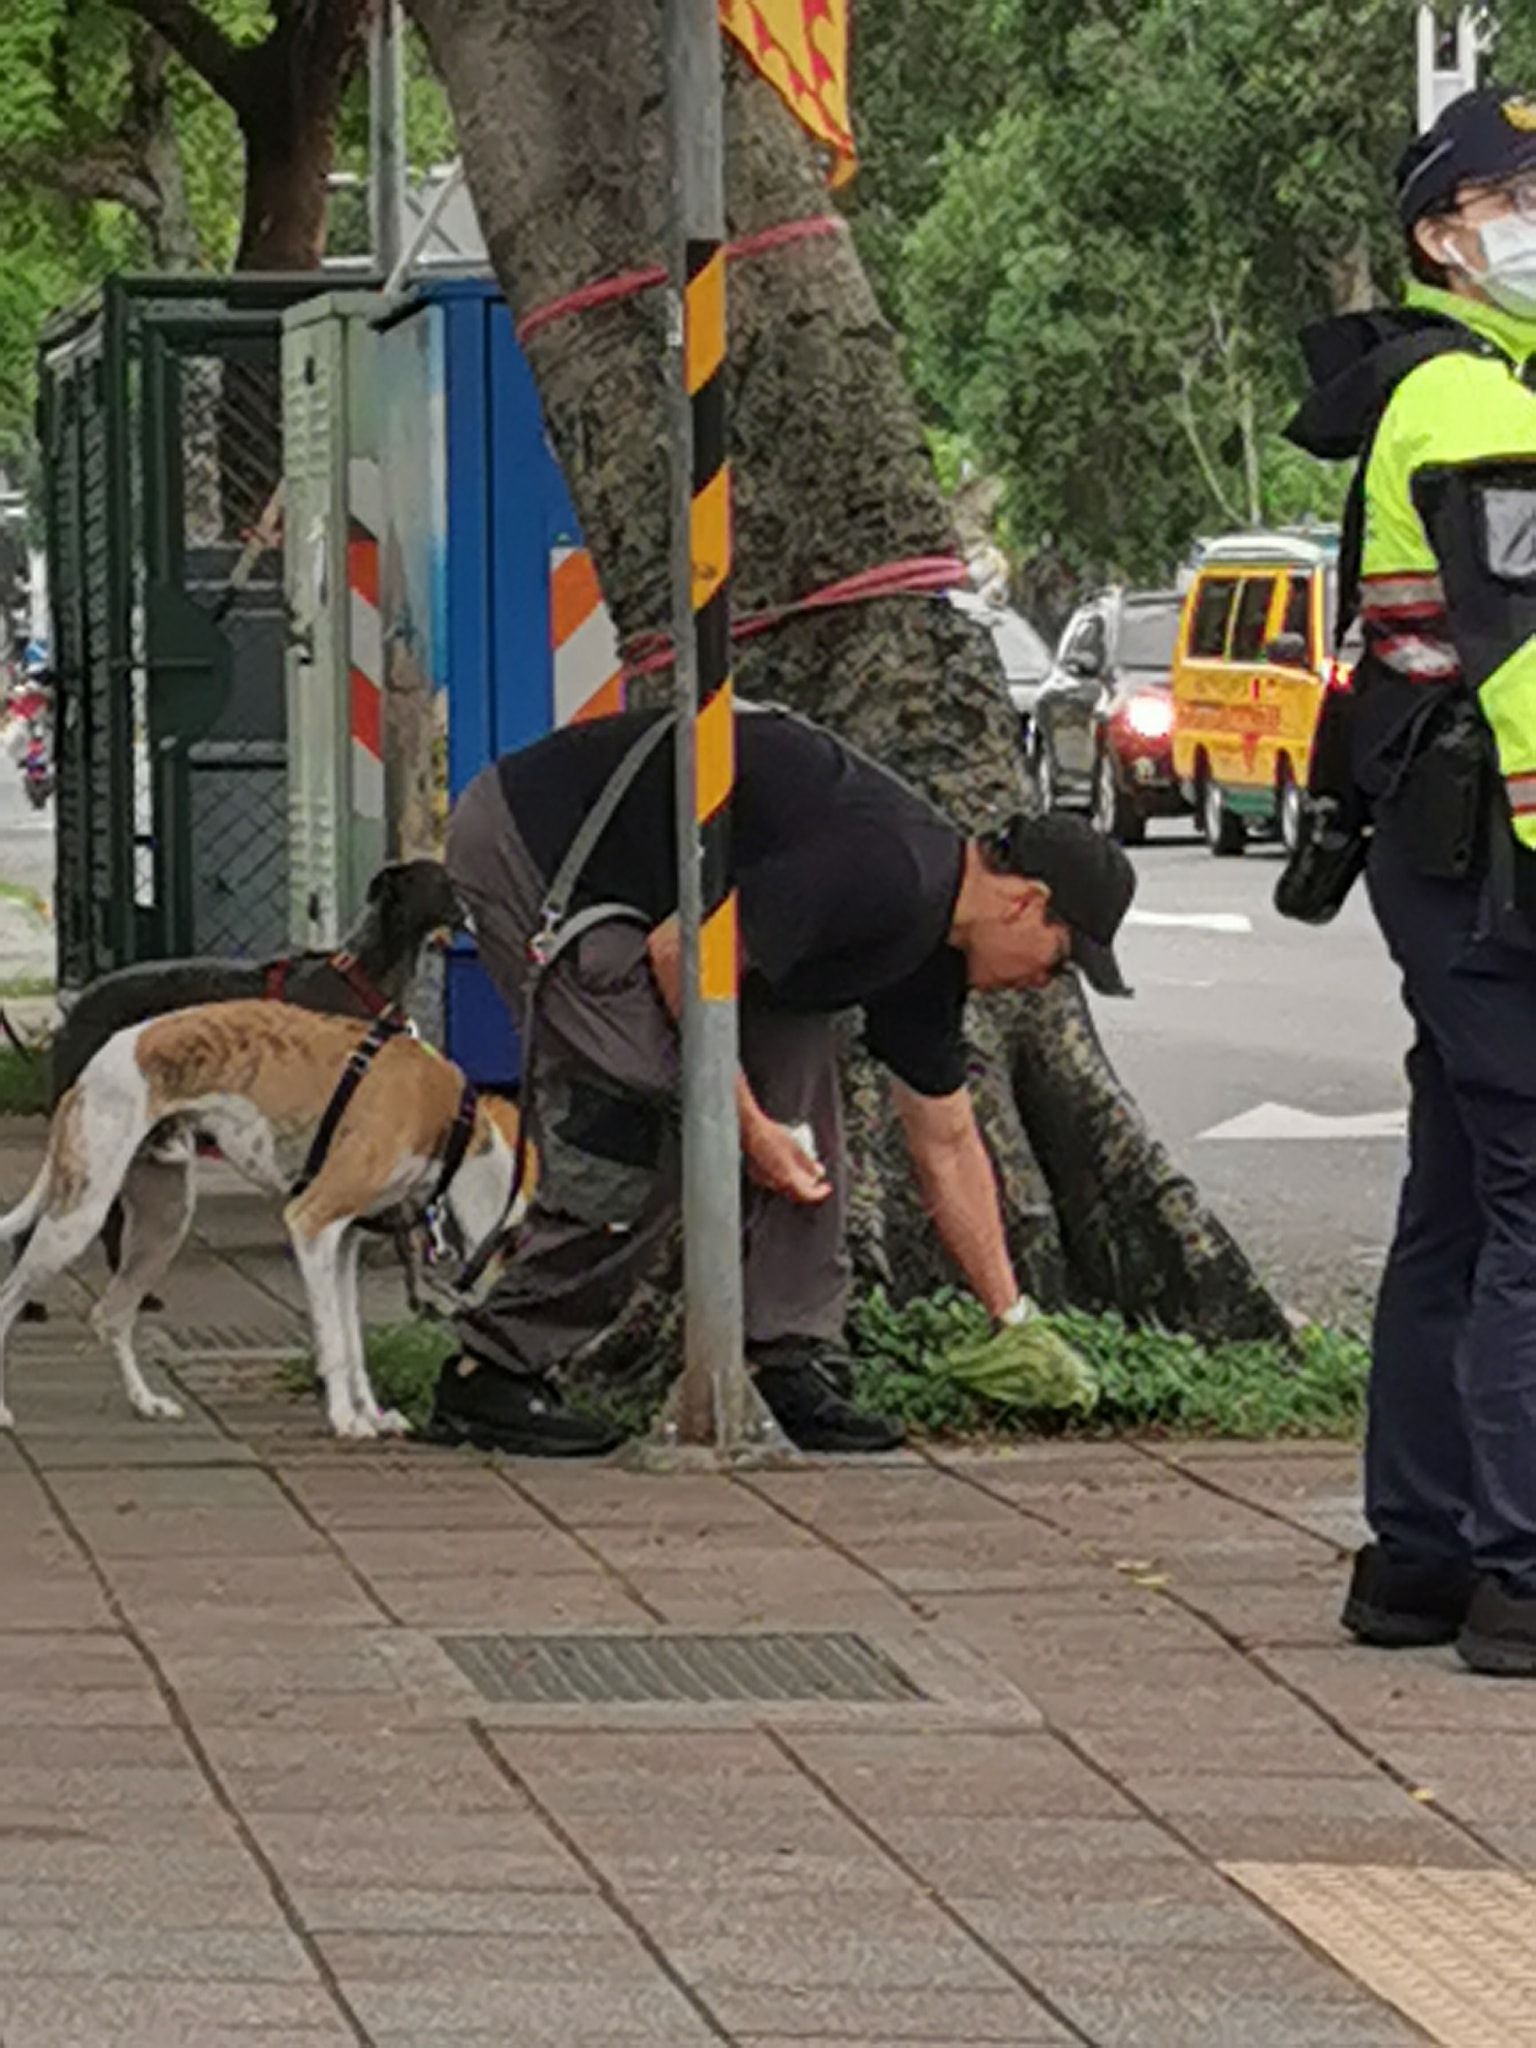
[{"x": 1023, "y": 1311}]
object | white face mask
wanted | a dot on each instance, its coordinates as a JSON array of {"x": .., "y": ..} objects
[{"x": 1509, "y": 256}]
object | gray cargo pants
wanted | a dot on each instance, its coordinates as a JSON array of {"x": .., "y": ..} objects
[{"x": 603, "y": 1101}]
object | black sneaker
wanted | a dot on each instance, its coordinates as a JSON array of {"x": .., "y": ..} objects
[
  {"x": 1500, "y": 1633},
  {"x": 836, "y": 1366},
  {"x": 520, "y": 1413},
  {"x": 1398, "y": 1605},
  {"x": 815, "y": 1416}
]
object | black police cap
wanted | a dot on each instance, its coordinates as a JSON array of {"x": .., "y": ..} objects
[{"x": 1480, "y": 138}]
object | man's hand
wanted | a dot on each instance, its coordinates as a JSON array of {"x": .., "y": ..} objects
[
  {"x": 777, "y": 1160},
  {"x": 959, "y": 1190},
  {"x": 772, "y": 1156}
]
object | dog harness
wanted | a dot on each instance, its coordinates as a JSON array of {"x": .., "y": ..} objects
[
  {"x": 275, "y": 984},
  {"x": 380, "y": 1032}
]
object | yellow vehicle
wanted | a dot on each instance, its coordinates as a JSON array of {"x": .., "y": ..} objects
[{"x": 1250, "y": 667}]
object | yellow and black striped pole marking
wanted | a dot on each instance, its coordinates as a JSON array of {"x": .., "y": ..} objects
[{"x": 709, "y": 544}]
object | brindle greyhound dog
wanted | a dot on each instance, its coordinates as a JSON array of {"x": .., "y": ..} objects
[
  {"x": 262, "y": 1078},
  {"x": 371, "y": 972}
]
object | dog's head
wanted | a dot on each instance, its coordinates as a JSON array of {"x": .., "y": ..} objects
[{"x": 412, "y": 900}]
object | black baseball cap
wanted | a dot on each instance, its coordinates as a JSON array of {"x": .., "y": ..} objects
[
  {"x": 1480, "y": 138},
  {"x": 1090, "y": 880}
]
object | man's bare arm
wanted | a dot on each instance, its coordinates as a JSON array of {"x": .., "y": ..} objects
[{"x": 959, "y": 1190}]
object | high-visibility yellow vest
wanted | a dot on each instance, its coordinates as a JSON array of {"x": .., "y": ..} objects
[{"x": 1449, "y": 561}]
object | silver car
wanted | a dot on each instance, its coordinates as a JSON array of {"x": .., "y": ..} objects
[{"x": 1025, "y": 658}]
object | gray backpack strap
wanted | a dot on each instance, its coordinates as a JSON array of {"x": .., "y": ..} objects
[
  {"x": 570, "y": 929},
  {"x": 557, "y": 898}
]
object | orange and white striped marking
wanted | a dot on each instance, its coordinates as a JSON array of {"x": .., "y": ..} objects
[
  {"x": 588, "y": 674},
  {"x": 365, "y": 715}
]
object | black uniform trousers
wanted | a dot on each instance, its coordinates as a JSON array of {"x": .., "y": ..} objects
[{"x": 1451, "y": 1437}]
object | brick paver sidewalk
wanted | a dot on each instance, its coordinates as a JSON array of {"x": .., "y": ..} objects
[{"x": 247, "y": 1797}]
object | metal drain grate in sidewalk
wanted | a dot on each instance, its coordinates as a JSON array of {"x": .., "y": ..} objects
[
  {"x": 231, "y": 1340},
  {"x": 678, "y": 1669},
  {"x": 1453, "y": 1949}
]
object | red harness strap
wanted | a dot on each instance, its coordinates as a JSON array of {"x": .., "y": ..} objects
[
  {"x": 345, "y": 964},
  {"x": 274, "y": 987}
]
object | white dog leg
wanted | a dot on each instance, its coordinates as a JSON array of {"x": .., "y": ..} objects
[
  {"x": 54, "y": 1245},
  {"x": 319, "y": 1260},
  {"x": 158, "y": 1200},
  {"x": 387, "y": 1421}
]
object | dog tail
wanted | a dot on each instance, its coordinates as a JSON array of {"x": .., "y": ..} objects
[
  {"x": 14, "y": 1037},
  {"x": 18, "y": 1221}
]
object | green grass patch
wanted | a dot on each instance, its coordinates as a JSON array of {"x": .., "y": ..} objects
[
  {"x": 1149, "y": 1380},
  {"x": 33, "y": 899},
  {"x": 919, "y": 1363},
  {"x": 404, "y": 1360},
  {"x": 24, "y": 1089}
]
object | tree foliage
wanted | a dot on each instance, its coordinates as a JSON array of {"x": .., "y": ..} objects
[
  {"x": 121, "y": 146},
  {"x": 1115, "y": 216}
]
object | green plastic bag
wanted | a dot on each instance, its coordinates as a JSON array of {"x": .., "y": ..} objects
[{"x": 1027, "y": 1367}]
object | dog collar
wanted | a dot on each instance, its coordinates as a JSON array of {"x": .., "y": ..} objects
[
  {"x": 349, "y": 968},
  {"x": 274, "y": 985}
]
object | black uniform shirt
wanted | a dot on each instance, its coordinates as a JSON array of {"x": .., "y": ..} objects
[{"x": 847, "y": 877}]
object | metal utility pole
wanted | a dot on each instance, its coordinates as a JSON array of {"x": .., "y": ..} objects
[
  {"x": 715, "y": 1403},
  {"x": 386, "y": 135}
]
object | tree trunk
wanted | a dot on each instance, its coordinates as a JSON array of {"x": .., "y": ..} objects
[
  {"x": 168, "y": 216},
  {"x": 561, "y": 120},
  {"x": 1351, "y": 284},
  {"x": 289, "y": 148},
  {"x": 285, "y": 92},
  {"x": 134, "y": 163},
  {"x": 172, "y": 231}
]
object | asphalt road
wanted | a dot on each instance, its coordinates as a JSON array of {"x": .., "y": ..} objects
[{"x": 1256, "y": 1047}]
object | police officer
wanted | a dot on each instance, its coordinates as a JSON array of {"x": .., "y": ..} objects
[{"x": 1436, "y": 402}]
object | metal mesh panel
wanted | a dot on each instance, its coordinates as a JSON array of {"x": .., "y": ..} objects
[
  {"x": 165, "y": 453},
  {"x": 231, "y": 444},
  {"x": 228, "y": 431},
  {"x": 239, "y": 806}
]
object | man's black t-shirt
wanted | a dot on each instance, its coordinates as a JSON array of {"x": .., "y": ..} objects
[{"x": 847, "y": 877}]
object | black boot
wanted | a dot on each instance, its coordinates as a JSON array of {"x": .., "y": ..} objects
[
  {"x": 1500, "y": 1633},
  {"x": 520, "y": 1413},
  {"x": 1397, "y": 1604},
  {"x": 802, "y": 1382}
]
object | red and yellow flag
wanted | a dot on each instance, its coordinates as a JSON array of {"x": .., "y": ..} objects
[{"x": 801, "y": 48}]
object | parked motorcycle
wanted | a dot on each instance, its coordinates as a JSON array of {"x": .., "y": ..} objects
[{"x": 37, "y": 771}]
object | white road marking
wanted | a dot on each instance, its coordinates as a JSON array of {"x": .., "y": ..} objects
[
  {"x": 1277, "y": 1120},
  {"x": 1193, "y": 920}
]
